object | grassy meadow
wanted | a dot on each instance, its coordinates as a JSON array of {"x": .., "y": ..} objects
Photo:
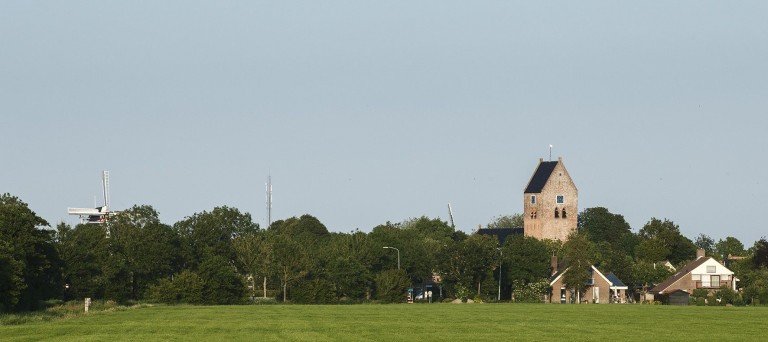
[{"x": 401, "y": 322}]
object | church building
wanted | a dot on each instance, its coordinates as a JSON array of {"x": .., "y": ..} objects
[{"x": 550, "y": 202}]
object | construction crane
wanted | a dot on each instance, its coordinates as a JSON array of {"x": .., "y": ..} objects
[{"x": 98, "y": 214}]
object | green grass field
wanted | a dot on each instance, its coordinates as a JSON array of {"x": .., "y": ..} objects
[{"x": 418, "y": 322}]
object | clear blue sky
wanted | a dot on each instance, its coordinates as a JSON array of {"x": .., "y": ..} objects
[{"x": 371, "y": 111}]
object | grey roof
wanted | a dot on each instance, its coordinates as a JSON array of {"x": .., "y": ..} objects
[
  {"x": 615, "y": 281},
  {"x": 540, "y": 177},
  {"x": 501, "y": 233}
]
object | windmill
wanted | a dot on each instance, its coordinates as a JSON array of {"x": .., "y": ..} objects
[{"x": 98, "y": 214}]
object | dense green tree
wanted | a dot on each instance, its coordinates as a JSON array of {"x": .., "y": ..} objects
[
  {"x": 255, "y": 258},
  {"x": 730, "y": 246},
  {"x": 760, "y": 257},
  {"x": 601, "y": 225},
  {"x": 143, "y": 250},
  {"x": 221, "y": 282},
  {"x": 291, "y": 260},
  {"x": 305, "y": 228},
  {"x": 755, "y": 284},
  {"x": 706, "y": 243},
  {"x": 615, "y": 261},
  {"x": 648, "y": 274},
  {"x": 661, "y": 240},
  {"x": 526, "y": 260},
  {"x": 350, "y": 264},
  {"x": 208, "y": 234},
  {"x": 580, "y": 254},
  {"x": 466, "y": 264},
  {"x": 391, "y": 286},
  {"x": 84, "y": 251},
  {"x": 11, "y": 277},
  {"x": 186, "y": 287},
  {"x": 31, "y": 265},
  {"x": 416, "y": 258},
  {"x": 506, "y": 221}
]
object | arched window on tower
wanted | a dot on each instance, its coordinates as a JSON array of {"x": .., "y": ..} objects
[
  {"x": 563, "y": 212},
  {"x": 557, "y": 213}
]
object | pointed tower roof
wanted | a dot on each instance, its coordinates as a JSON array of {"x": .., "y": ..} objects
[{"x": 541, "y": 176}]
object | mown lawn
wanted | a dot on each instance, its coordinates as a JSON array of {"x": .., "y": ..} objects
[{"x": 418, "y": 322}]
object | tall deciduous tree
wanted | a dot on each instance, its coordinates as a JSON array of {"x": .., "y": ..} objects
[
  {"x": 143, "y": 250},
  {"x": 31, "y": 264},
  {"x": 662, "y": 240},
  {"x": 599, "y": 225},
  {"x": 207, "y": 234},
  {"x": 760, "y": 257},
  {"x": 255, "y": 255},
  {"x": 466, "y": 264},
  {"x": 526, "y": 259},
  {"x": 706, "y": 243},
  {"x": 580, "y": 254},
  {"x": 729, "y": 246},
  {"x": 84, "y": 251}
]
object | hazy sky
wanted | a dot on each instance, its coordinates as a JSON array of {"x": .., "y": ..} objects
[{"x": 371, "y": 111}]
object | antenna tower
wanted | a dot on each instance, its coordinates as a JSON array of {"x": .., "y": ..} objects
[{"x": 269, "y": 201}]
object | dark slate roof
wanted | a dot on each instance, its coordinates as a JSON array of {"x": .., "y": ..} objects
[
  {"x": 540, "y": 177},
  {"x": 614, "y": 279},
  {"x": 501, "y": 233},
  {"x": 688, "y": 268}
]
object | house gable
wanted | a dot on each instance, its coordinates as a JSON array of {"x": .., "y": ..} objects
[{"x": 704, "y": 272}]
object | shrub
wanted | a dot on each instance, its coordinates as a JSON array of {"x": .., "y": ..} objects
[
  {"x": 700, "y": 293},
  {"x": 391, "y": 286},
  {"x": 315, "y": 291},
  {"x": 187, "y": 287}
]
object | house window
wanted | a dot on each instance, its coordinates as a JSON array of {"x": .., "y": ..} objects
[
  {"x": 533, "y": 199},
  {"x": 695, "y": 276},
  {"x": 714, "y": 281},
  {"x": 557, "y": 213},
  {"x": 711, "y": 269},
  {"x": 560, "y": 199}
]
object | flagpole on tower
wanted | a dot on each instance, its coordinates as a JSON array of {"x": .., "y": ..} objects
[{"x": 550, "y": 152}]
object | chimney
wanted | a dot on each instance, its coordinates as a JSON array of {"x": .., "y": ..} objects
[
  {"x": 553, "y": 264},
  {"x": 700, "y": 253}
]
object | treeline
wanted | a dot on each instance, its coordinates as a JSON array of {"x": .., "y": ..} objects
[{"x": 222, "y": 257}]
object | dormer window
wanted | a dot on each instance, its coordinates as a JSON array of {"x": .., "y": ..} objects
[{"x": 560, "y": 199}]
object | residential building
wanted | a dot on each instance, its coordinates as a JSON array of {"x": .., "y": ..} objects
[
  {"x": 600, "y": 289},
  {"x": 702, "y": 273}
]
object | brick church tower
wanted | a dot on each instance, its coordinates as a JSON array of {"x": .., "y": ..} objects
[{"x": 550, "y": 202}]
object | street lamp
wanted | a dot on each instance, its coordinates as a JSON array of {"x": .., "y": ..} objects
[
  {"x": 501, "y": 254},
  {"x": 398, "y": 255}
]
